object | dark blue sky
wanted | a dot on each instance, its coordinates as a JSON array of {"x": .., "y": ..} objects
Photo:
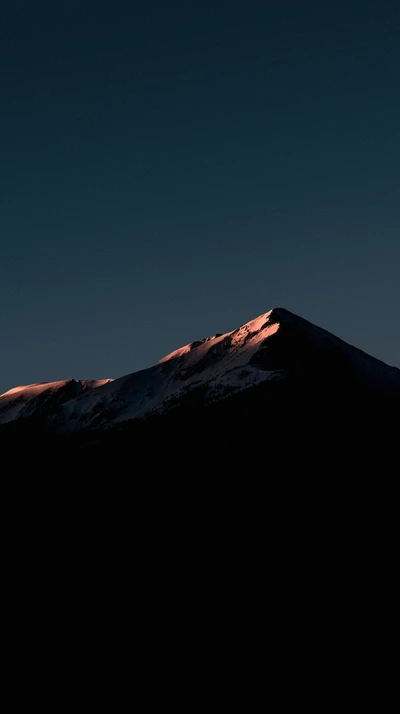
[{"x": 169, "y": 170}]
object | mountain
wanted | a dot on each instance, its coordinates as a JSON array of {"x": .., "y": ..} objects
[{"x": 277, "y": 379}]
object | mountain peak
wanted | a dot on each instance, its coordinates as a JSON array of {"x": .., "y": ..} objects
[{"x": 252, "y": 327}]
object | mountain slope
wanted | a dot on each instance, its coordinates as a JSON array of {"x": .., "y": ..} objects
[
  {"x": 42, "y": 398},
  {"x": 220, "y": 365}
]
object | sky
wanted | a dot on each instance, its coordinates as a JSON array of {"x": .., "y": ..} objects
[{"x": 170, "y": 170}]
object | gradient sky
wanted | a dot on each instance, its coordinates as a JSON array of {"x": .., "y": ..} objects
[{"x": 169, "y": 170}]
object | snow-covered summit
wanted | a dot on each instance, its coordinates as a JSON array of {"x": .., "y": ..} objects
[{"x": 203, "y": 346}]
